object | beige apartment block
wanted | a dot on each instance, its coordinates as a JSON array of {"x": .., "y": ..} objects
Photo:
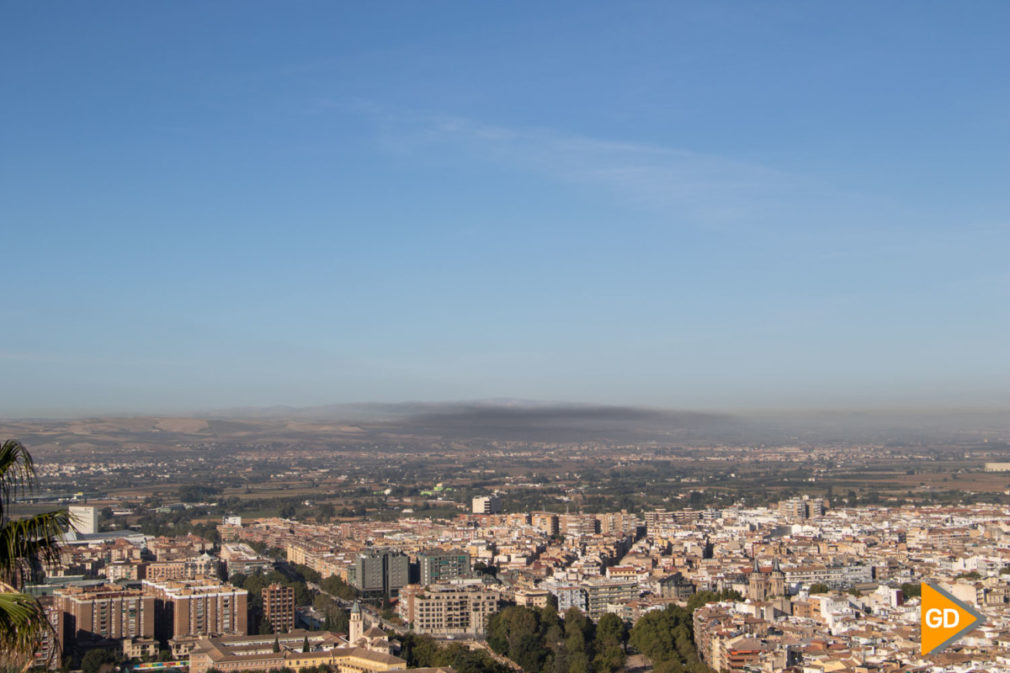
[
  {"x": 448, "y": 609},
  {"x": 198, "y": 607}
]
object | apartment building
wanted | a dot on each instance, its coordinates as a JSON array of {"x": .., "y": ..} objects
[
  {"x": 379, "y": 572},
  {"x": 534, "y": 598},
  {"x": 545, "y": 522},
  {"x": 449, "y": 608},
  {"x": 437, "y": 566},
  {"x": 198, "y": 607},
  {"x": 279, "y": 607},
  {"x": 94, "y": 613},
  {"x": 602, "y": 593},
  {"x": 486, "y": 504}
]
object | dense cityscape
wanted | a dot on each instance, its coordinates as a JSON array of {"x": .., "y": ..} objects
[{"x": 497, "y": 555}]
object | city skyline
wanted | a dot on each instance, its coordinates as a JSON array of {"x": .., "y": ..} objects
[{"x": 719, "y": 207}]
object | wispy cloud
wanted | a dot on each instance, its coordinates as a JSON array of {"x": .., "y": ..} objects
[
  {"x": 683, "y": 187},
  {"x": 706, "y": 188}
]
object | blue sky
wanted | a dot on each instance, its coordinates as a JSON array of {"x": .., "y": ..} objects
[{"x": 694, "y": 205}]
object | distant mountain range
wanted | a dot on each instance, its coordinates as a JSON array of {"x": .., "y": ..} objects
[
  {"x": 550, "y": 421},
  {"x": 522, "y": 420}
]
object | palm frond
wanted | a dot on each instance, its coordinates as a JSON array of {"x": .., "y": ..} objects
[
  {"x": 23, "y": 626},
  {"x": 17, "y": 472},
  {"x": 24, "y": 543}
]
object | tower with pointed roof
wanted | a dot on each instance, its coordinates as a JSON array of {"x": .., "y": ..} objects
[
  {"x": 357, "y": 626},
  {"x": 777, "y": 580}
]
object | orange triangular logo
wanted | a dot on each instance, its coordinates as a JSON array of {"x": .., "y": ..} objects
[{"x": 944, "y": 619}]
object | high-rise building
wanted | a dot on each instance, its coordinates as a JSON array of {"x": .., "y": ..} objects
[
  {"x": 442, "y": 565},
  {"x": 379, "y": 572},
  {"x": 794, "y": 508},
  {"x": 49, "y": 653},
  {"x": 602, "y": 593},
  {"x": 448, "y": 608},
  {"x": 618, "y": 523},
  {"x": 815, "y": 508},
  {"x": 657, "y": 522},
  {"x": 546, "y": 522},
  {"x": 487, "y": 504},
  {"x": 108, "y": 612},
  {"x": 802, "y": 508},
  {"x": 577, "y": 525},
  {"x": 84, "y": 519},
  {"x": 279, "y": 607},
  {"x": 198, "y": 607}
]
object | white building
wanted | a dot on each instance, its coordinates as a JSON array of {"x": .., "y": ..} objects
[
  {"x": 84, "y": 519},
  {"x": 487, "y": 504}
]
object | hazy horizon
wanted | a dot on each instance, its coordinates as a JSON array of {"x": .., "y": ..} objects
[
  {"x": 417, "y": 408},
  {"x": 718, "y": 206}
]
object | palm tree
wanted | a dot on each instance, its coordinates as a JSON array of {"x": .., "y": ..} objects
[{"x": 25, "y": 544}]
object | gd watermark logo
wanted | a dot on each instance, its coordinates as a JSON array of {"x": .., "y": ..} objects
[{"x": 944, "y": 619}]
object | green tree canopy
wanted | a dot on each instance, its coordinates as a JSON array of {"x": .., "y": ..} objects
[
  {"x": 611, "y": 634},
  {"x": 911, "y": 589},
  {"x": 702, "y": 597},
  {"x": 667, "y": 638},
  {"x": 339, "y": 588},
  {"x": 99, "y": 661},
  {"x": 424, "y": 651},
  {"x": 542, "y": 642}
]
